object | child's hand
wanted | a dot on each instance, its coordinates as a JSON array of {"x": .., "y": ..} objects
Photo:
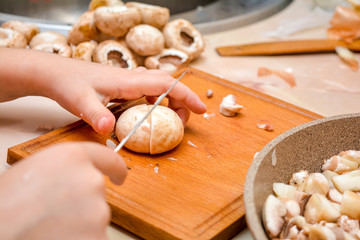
[
  {"x": 59, "y": 193},
  {"x": 85, "y": 88}
]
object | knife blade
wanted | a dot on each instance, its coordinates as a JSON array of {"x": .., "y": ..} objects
[{"x": 138, "y": 124}]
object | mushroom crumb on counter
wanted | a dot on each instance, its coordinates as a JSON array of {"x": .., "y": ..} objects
[
  {"x": 322, "y": 205},
  {"x": 209, "y": 93},
  {"x": 229, "y": 107}
]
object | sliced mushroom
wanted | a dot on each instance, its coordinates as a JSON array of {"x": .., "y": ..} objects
[
  {"x": 117, "y": 20},
  {"x": 84, "y": 51},
  {"x": 339, "y": 164},
  {"x": 27, "y": 29},
  {"x": 169, "y": 60},
  {"x": 182, "y": 35},
  {"x": 319, "y": 208},
  {"x": 47, "y": 37},
  {"x": 145, "y": 40},
  {"x": 114, "y": 53},
  {"x": 229, "y": 107},
  {"x": 347, "y": 181},
  {"x": 150, "y": 14},
  {"x": 57, "y": 48},
  {"x": 273, "y": 216},
  {"x": 317, "y": 183},
  {"x": 94, "y": 4},
  {"x": 350, "y": 205},
  {"x": 12, "y": 38}
]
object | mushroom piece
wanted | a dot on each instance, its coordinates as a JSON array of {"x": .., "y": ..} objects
[
  {"x": 319, "y": 208},
  {"x": 27, "y": 29},
  {"x": 329, "y": 175},
  {"x": 229, "y": 107},
  {"x": 162, "y": 131},
  {"x": 12, "y": 38},
  {"x": 61, "y": 49},
  {"x": 349, "y": 225},
  {"x": 298, "y": 179},
  {"x": 145, "y": 40},
  {"x": 294, "y": 228},
  {"x": 350, "y": 205},
  {"x": 347, "y": 181},
  {"x": 318, "y": 232},
  {"x": 317, "y": 183},
  {"x": 334, "y": 195},
  {"x": 114, "y": 53},
  {"x": 169, "y": 60},
  {"x": 94, "y": 4},
  {"x": 339, "y": 164},
  {"x": 84, "y": 29},
  {"x": 84, "y": 51},
  {"x": 182, "y": 35},
  {"x": 273, "y": 216},
  {"x": 47, "y": 37},
  {"x": 209, "y": 93},
  {"x": 150, "y": 14},
  {"x": 351, "y": 155},
  {"x": 116, "y": 20},
  {"x": 292, "y": 208}
]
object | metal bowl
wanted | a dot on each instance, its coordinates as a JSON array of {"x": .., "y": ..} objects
[{"x": 301, "y": 148}]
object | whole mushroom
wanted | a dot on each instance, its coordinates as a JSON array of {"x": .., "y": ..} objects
[
  {"x": 27, "y": 29},
  {"x": 145, "y": 40},
  {"x": 169, "y": 60},
  {"x": 114, "y": 53},
  {"x": 12, "y": 38},
  {"x": 116, "y": 20},
  {"x": 150, "y": 14},
  {"x": 182, "y": 35}
]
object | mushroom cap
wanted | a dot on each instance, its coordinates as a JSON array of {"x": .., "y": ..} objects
[
  {"x": 12, "y": 38},
  {"x": 61, "y": 49},
  {"x": 116, "y": 20},
  {"x": 145, "y": 40},
  {"x": 182, "y": 35},
  {"x": 170, "y": 60},
  {"x": 84, "y": 29},
  {"x": 140, "y": 140},
  {"x": 160, "y": 132},
  {"x": 100, "y": 3},
  {"x": 114, "y": 53},
  {"x": 150, "y": 14},
  {"x": 84, "y": 51},
  {"x": 27, "y": 29},
  {"x": 167, "y": 130},
  {"x": 47, "y": 37}
]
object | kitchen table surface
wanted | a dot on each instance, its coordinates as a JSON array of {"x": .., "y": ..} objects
[{"x": 324, "y": 84}]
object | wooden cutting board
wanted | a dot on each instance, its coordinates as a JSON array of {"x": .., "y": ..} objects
[{"x": 196, "y": 190}]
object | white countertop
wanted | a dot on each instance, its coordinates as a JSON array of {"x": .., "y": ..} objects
[{"x": 325, "y": 85}]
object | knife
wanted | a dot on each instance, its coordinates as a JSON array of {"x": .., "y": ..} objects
[
  {"x": 161, "y": 97},
  {"x": 287, "y": 47}
]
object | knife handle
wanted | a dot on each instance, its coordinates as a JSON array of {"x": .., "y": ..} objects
[{"x": 286, "y": 47}]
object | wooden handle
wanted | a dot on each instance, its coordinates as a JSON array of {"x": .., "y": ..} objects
[{"x": 286, "y": 47}]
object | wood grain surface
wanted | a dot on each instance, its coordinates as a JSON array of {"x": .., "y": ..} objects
[
  {"x": 286, "y": 47},
  {"x": 196, "y": 190}
]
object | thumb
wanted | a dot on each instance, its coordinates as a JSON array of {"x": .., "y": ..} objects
[{"x": 97, "y": 115}]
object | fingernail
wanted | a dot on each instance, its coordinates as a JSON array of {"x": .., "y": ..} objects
[{"x": 102, "y": 123}]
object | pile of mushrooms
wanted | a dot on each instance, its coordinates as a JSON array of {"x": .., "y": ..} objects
[
  {"x": 322, "y": 205},
  {"x": 116, "y": 34}
]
